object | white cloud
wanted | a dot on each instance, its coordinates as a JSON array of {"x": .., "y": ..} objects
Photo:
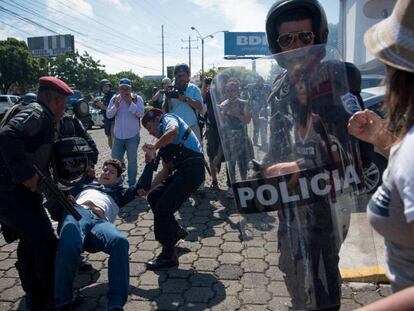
[
  {"x": 214, "y": 43},
  {"x": 120, "y": 5},
  {"x": 135, "y": 28},
  {"x": 243, "y": 15},
  {"x": 26, "y": 30},
  {"x": 119, "y": 61},
  {"x": 70, "y": 7}
]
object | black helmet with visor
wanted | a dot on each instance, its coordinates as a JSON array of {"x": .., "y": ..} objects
[{"x": 293, "y": 10}]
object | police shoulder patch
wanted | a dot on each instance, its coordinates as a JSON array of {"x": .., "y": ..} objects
[
  {"x": 37, "y": 110},
  {"x": 350, "y": 103}
]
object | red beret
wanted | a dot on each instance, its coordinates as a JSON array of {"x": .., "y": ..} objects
[{"x": 55, "y": 84}]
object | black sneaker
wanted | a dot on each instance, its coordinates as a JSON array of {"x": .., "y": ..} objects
[{"x": 162, "y": 262}]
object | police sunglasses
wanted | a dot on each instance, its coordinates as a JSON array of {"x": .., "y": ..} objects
[{"x": 286, "y": 39}]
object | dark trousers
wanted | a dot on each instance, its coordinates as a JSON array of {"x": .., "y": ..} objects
[
  {"x": 21, "y": 211},
  {"x": 168, "y": 197},
  {"x": 259, "y": 128},
  {"x": 309, "y": 258},
  {"x": 325, "y": 253}
]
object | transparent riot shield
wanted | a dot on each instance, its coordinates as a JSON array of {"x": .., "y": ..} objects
[{"x": 295, "y": 172}]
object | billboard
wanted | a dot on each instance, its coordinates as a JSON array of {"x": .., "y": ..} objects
[
  {"x": 51, "y": 45},
  {"x": 245, "y": 44}
]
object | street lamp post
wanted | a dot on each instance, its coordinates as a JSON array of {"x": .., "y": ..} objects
[{"x": 199, "y": 36}]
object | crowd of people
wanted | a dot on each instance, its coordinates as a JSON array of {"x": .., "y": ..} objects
[{"x": 37, "y": 135}]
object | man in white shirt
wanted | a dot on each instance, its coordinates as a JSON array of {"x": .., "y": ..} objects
[
  {"x": 98, "y": 203},
  {"x": 127, "y": 113}
]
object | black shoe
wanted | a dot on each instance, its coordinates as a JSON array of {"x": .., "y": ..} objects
[
  {"x": 162, "y": 262},
  {"x": 36, "y": 302},
  {"x": 73, "y": 306},
  {"x": 181, "y": 235}
]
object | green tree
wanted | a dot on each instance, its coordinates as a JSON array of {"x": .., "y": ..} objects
[
  {"x": 80, "y": 71},
  {"x": 211, "y": 73},
  {"x": 17, "y": 66},
  {"x": 139, "y": 85}
]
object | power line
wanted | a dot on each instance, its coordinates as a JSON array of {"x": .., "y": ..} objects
[
  {"x": 11, "y": 26},
  {"x": 83, "y": 43},
  {"x": 132, "y": 40},
  {"x": 31, "y": 11},
  {"x": 26, "y": 19}
]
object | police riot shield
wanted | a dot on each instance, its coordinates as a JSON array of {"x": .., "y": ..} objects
[{"x": 295, "y": 172}]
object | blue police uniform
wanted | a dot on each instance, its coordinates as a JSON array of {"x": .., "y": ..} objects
[{"x": 186, "y": 157}]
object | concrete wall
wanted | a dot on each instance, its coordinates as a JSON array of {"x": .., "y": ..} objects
[{"x": 356, "y": 17}]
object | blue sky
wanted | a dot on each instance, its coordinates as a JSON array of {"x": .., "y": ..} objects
[{"x": 126, "y": 34}]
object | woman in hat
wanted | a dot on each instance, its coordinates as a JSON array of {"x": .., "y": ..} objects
[{"x": 391, "y": 208}]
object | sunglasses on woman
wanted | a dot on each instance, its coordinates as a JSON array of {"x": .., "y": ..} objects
[{"x": 285, "y": 40}]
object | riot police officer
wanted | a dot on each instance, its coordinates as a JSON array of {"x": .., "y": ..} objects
[
  {"x": 26, "y": 139},
  {"x": 291, "y": 25},
  {"x": 181, "y": 152}
]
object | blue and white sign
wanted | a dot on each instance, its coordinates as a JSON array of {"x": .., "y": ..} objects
[{"x": 244, "y": 44}]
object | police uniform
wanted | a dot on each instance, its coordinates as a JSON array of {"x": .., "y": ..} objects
[
  {"x": 108, "y": 123},
  {"x": 186, "y": 157},
  {"x": 26, "y": 139},
  {"x": 314, "y": 248},
  {"x": 71, "y": 127}
]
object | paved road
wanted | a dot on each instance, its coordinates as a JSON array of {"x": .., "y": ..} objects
[{"x": 217, "y": 270}]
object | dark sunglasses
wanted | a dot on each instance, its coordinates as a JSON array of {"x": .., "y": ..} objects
[{"x": 287, "y": 39}]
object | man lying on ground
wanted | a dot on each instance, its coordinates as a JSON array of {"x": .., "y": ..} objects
[{"x": 98, "y": 203}]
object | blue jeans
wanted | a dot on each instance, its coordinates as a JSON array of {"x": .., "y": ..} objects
[
  {"x": 130, "y": 145},
  {"x": 93, "y": 235}
]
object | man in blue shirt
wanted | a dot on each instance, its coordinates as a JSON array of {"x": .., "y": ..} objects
[
  {"x": 187, "y": 103},
  {"x": 183, "y": 173}
]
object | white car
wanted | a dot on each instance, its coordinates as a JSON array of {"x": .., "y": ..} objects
[
  {"x": 6, "y": 101},
  {"x": 373, "y": 98},
  {"x": 96, "y": 116},
  {"x": 371, "y": 80}
]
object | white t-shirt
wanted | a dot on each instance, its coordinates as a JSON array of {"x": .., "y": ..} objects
[
  {"x": 101, "y": 200},
  {"x": 391, "y": 213}
]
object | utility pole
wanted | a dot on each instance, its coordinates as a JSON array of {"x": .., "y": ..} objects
[
  {"x": 162, "y": 53},
  {"x": 189, "y": 47}
]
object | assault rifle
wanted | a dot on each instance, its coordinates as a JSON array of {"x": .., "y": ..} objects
[{"x": 47, "y": 186}]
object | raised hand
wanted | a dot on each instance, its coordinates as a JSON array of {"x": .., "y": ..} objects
[
  {"x": 367, "y": 126},
  {"x": 117, "y": 102}
]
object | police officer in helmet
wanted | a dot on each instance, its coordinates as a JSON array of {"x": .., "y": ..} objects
[
  {"x": 290, "y": 25},
  {"x": 26, "y": 139}
]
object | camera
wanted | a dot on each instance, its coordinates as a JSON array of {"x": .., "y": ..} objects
[
  {"x": 207, "y": 81},
  {"x": 173, "y": 93}
]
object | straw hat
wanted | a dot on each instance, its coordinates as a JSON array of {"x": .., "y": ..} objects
[{"x": 392, "y": 40}]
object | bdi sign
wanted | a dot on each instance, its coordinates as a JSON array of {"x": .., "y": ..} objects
[{"x": 244, "y": 44}]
